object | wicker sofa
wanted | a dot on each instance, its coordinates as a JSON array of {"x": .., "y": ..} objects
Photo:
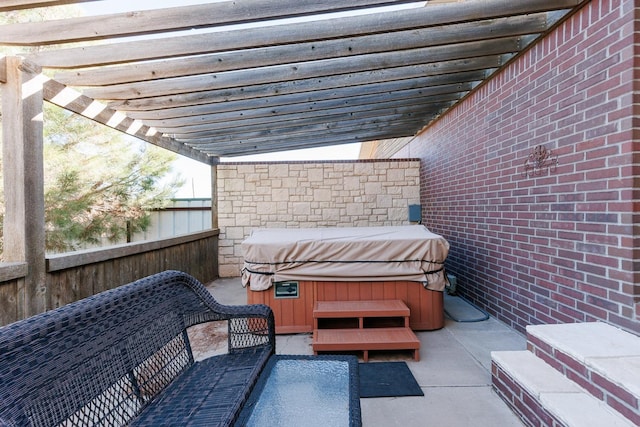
[{"x": 123, "y": 357}]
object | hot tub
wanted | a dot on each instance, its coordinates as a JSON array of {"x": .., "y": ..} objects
[{"x": 290, "y": 269}]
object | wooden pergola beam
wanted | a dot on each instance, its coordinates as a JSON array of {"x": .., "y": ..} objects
[
  {"x": 307, "y": 70},
  {"x": 391, "y": 115},
  {"x": 298, "y": 32},
  {"x": 249, "y": 147},
  {"x": 232, "y": 128},
  {"x": 9, "y": 5},
  {"x": 327, "y": 129},
  {"x": 308, "y": 51},
  {"x": 248, "y": 110},
  {"x": 154, "y": 21},
  {"x": 435, "y": 70},
  {"x": 71, "y": 100},
  {"x": 253, "y": 98}
]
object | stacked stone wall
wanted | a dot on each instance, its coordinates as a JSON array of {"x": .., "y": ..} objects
[{"x": 309, "y": 195}]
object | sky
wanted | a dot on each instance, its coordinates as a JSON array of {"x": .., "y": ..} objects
[{"x": 198, "y": 175}]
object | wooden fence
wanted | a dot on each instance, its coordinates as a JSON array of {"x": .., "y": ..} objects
[{"x": 76, "y": 275}]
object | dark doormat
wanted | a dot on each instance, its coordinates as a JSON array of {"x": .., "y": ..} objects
[
  {"x": 387, "y": 379},
  {"x": 459, "y": 309}
]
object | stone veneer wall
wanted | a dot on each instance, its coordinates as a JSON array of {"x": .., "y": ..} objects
[{"x": 310, "y": 194}]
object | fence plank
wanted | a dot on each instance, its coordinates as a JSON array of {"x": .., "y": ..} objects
[{"x": 77, "y": 275}]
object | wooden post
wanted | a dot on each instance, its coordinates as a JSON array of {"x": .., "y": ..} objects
[
  {"x": 22, "y": 145},
  {"x": 214, "y": 195}
]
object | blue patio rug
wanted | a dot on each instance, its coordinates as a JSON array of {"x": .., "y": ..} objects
[{"x": 387, "y": 379}]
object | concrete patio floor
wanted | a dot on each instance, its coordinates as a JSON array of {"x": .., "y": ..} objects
[{"x": 454, "y": 371}]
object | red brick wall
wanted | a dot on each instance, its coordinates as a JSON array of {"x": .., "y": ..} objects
[{"x": 559, "y": 247}]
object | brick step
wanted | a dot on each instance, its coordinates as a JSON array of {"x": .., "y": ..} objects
[
  {"x": 357, "y": 339},
  {"x": 601, "y": 358},
  {"x": 542, "y": 396}
]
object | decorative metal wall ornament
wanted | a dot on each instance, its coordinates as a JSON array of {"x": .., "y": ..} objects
[{"x": 539, "y": 160}]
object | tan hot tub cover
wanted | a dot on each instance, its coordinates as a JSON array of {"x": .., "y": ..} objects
[{"x": 408, "y": 253}]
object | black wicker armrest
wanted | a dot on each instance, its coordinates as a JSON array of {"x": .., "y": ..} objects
[{"x": 249, "y": 326}]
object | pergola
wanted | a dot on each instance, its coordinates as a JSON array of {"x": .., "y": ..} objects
[
  {"x": 230, "y": 78},
  {"x": 260, "y": 76}
]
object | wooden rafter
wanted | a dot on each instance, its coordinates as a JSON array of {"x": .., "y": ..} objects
[
  {"x": 308, "y": 51},
  {"x": 299, "y": 32},
  {"x": 306, "y": 70},
  {"x": 340, "y": 116},
  {"x": 269, "y": 90},
  {"x": 246, "y": 111},
  {"x": 171, "y": 19},
  {"x": 299, "y": 115},
  {"x": 67, "y": 98},
  {"x": 9, "y": 5}
]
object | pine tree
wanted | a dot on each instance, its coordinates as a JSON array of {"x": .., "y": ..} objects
[{"x": 99, "y": 183}]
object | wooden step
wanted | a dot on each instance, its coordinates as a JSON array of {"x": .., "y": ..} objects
[
  {"x": 360, "y": 310},
  {"x": 367, "y": 308},
  {"x": 366, "y": 340}
]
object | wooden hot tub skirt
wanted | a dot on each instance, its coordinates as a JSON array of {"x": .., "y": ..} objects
[{"x": 295, "y": 315}]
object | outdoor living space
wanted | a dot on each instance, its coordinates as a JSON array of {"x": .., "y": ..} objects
[
  {"x": 508, "y": 129},
  {"x": 454, "y": 370}
]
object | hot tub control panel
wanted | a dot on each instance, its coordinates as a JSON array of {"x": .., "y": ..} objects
[{"x": 286, "y": 290}]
